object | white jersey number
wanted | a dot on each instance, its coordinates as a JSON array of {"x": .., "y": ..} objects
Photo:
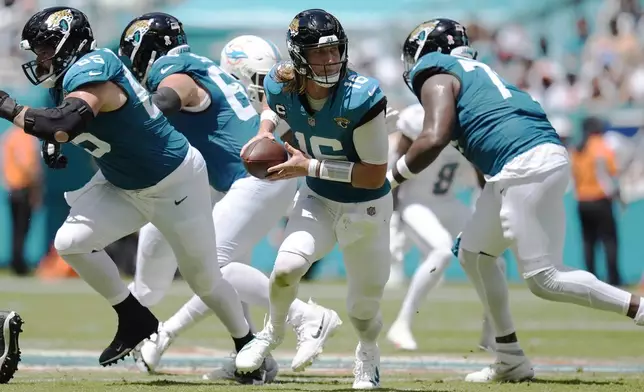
[
  {"x": 317, "y": 142},
  {"x": 471, "y": 65},
  {"x": 92, "y": 144}
]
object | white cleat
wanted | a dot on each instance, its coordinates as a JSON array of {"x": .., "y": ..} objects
[
  {"x": 148, "y": 353},
  {"x": 367, "y": 366},
  {"x": 315, "y": 328},
  {"x": 253, "y": 354},
  {"x": 228, "y": 371},
  {"x": 400, "y": 335},
  {"x": 507, "y": 368}
]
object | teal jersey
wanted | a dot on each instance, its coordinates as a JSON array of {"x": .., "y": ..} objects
[
  {"x": 134, "y": 146},
  {"x": 496, "y": 120},
  {"x": 224, "y": 123},
  {"x": 328, "y": 134}
]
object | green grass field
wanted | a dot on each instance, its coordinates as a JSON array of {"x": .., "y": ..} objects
[{"x": 574, "y": 349}]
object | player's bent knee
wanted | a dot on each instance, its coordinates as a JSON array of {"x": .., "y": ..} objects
[
  {"x": 443, "y": 258},
  {"x": 70, "y": 241},
  {"x": 363, "y": 308},
  {"x": 289, "y": 268}
]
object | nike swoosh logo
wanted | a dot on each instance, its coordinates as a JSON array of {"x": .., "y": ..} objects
[
  {"x": 166, "y": 69},
  {"x": 176, "y": 203},
  {"x": 319, "y": 331},
  {"x": 373, "y": 90},
  {"x": 94, "y": 73}
]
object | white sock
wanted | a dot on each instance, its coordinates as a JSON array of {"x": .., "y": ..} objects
[
  {"x": 190, "y": 313},
  {"x": 284, "y": 283},
  {"x": 426, "y": 277},
  {"x": 368, "y": 330},
  {"x": 492, "y": 288},
  {"x": 224, "y": 301},
  {"x": 99, "y": 271},
  {"x": 249, "y": 318}
]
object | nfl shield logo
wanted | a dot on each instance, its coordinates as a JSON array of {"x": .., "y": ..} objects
[
  {"x": 371, "y": 211},
  {"x": 311, "y": 121}
]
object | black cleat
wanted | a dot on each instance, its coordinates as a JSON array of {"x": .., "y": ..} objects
[
  {"x": 257, "y": 377},
  {"x": 136, "y": 323},
  {"x": 10, "y": 355}
]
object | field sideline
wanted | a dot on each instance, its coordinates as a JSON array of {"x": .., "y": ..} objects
[{"x": 574, "y": 349}]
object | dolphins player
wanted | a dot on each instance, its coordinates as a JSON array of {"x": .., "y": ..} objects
[
  {"x": 508, "y": 137},
  {"x": 213, "y": 110},
  {"x": 338, "y": 119},
  {"x": 148, "y": 172}
]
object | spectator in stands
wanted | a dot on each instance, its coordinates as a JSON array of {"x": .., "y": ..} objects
[
  {"x": 22, "y": 177},
  {"x": 595, "y": 174}
]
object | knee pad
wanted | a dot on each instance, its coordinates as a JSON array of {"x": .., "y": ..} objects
[
  {"x": 289, "y": 268},
  {"x": 71, "y": 240},
  {"x": 365, "y": 304},
  {"x": 363, "y": 307}
]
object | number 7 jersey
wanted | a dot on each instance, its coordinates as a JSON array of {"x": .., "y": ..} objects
[{"x": 496, "y": 121}]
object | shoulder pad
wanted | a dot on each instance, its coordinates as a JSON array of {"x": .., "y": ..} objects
[
  {"x": 185, "y": 62},
  {"x": 360, "y": 90},
  {"x": 429, "y": 65},
  {"x": 98, "y": 66}
]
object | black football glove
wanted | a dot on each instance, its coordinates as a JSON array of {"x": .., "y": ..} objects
[
  {"x": 9, "y": 109},
  {"x": 52, "y": 155}
]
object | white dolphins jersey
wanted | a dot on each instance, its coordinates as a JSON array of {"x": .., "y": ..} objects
[{"x": 446, "y": 176}]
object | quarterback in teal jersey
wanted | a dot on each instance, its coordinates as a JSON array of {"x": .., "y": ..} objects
[
  {"x": 148, "y": 172},
  {"x": 507, "y": 136},
  {"x": 337, "y": 117},
  {"x": 212, "y": 109}
]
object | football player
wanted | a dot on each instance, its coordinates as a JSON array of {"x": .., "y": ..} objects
[
  {"x": 340, "y": 146},
  {"x": 212, "y": 109},
  {"x": 431, "y": 216},
  {"x": 508, "y": 137},
  {"x": 148, "y": 172}
]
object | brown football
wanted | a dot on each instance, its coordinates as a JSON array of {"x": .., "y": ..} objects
[{"x": 261, "y": 155}]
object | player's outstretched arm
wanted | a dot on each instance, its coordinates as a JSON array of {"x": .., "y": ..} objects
[
  {"x": 62, "y": 123},
  {"x": 175, "y": 92},
  {"x": 438, "y": 97}
]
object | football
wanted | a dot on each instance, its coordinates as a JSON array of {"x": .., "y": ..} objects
[{"x": 263, "y": 154}]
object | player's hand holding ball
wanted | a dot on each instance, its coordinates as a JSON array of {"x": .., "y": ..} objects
[
  {"x": 296, "y": 166},
  {"x": 259, "y": 136}
]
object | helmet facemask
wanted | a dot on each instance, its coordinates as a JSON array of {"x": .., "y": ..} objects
[{"x": 328, "y": 74}]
